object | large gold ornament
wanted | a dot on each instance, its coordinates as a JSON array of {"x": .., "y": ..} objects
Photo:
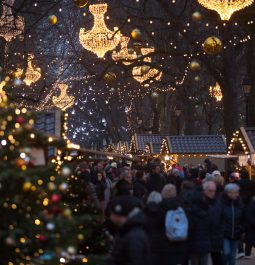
[
  {"x": 136, "y": 34},
  {"x": 216, "y": 92},
  {"x": 10, "y": 27},
  {"x": 63, "y": 101},
  {"x": 196, "y": 16},
  {"x": 150, "y": 74},
  {"x": 53, "y": 19},
  {"x": 99, "y": 39},
  {"x": 32, "y": 74},
  {"x": 225, "y": 8},
  {"x": 195, "y": 66},
  {"x": 212, "y": 45},
  {"x": 125, "y": 55}
]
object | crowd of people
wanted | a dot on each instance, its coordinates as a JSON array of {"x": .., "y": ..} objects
[{"x": 188, "y": 215}]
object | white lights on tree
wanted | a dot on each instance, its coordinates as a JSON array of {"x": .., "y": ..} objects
[
  {"x": 216, "y": 92},
  {"x": 225, "y": 8},
  {"x": 99, "y": 39},
  {"x": 63, "y": 101},
  {"x": 145, "y": 73},
  {"x": 124, "y": 55},
  {"x": 10, "y": 26},
  {"x": 32, "y": 74}
]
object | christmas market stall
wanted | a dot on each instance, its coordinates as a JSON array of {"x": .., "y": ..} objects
[
  {"x": 191, "y": 149},
  {"x": 123, "y": 147},
  {"x": 145, "y": 144},
  {"x": 242, "y": 145}
]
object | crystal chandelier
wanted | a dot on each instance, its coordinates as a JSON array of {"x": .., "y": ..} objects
[
  {"x": 225, "y": 8},
  {"x": 124, "y": 55},
  {"x": 216, "y": 92},
  {"x": 99, "y": 39},
  {"x": 63, "y": 101},
  {"x": 152, "y": 74},
  {"x": 32, "y": 74},
  {"x": 10, "y": 26}
]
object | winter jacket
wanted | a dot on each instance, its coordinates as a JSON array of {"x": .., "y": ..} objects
[
  {"x": 168, "y": 253},
  {"x": 100, "y": 186},
  {"x": 200, "y": 226},
  {"x": 156, "y": 182},
  {"x": 250, "y": 224},
  {"x": 131, "y": 245},
  {"x": 217, "y": 224},
  {"x": 233, "y": 217},
  {"x": 139, "y": 189}
]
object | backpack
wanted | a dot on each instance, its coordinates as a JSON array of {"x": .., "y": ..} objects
[{"x": 176, "y": 225}]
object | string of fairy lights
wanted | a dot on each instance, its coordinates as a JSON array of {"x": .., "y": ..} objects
[{"x": 148, "y": 77}]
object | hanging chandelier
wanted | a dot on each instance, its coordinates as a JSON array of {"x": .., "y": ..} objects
[
  {"x": 225, "y": 8},
  {"x": 10, "y": 26},
  {"x": 216, "y": 92},
  {"x": 150, "y": 74},
  {"x": 99, "y": 39},
  {"x": 32, "y": 74},
  {"x": 124, "y": 55},
  {"x": 63, "y": 101}
]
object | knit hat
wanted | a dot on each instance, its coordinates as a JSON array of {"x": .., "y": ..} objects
[
  {"x": 235, "y": 176},
  {"x": 124, "y": 205},
  {"x": 114, "y": 165},
  {"x": 216, "y": 173}
]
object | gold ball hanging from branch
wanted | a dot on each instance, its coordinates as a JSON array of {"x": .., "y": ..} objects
[
  {"x": 196, "y": 16},
  {"x": 212, "y": 45},
  {"x": 136, "y": 34},
  {"x": 52, "y": 19},
  {"x": 109, "y": 77},
  {"x": 195, "y": 66},
  {"x": 81, "y": 3}
]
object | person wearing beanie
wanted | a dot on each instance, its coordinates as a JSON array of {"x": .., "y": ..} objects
[{"x": 131, "y": 245}]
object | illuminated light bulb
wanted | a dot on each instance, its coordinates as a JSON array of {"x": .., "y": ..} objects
[
  {"x": 99, "y": 39},
  {"x": 10, "y": 26},
  {"x": 225, "y": 8}
]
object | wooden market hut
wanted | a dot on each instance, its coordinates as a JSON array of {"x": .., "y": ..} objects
[
  {"x": 123, "y": 147},
  {"x": 192, "y": 149},
  {"x": 147, "y": 144},
  {"x": 242, "y": 145}
]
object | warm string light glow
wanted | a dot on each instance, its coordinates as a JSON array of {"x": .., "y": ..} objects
[
  {"x": 10, "y": 26},
  {"x": 32, "y": 74},
  {"x": 99, "y": 39},
  {"x": 150, "y": 74},
  {"x": 225, "y": 8},
  {"x": 215, "y": 91},
  {"x": 63, "y": 101},
  {"x": 125, "y": 55}
]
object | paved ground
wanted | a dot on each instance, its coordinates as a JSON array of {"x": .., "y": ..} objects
[{"x": 246, "y": 262}]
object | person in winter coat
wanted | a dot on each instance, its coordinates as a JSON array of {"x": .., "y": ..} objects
[
  {"x": 156, "y": 181},
  {"x": 200, "y": 230},
  {"x": 210, "y": 189},
  {"x": 250, "y": 228},
  {"x": 131, "y": 244},
  {"x": 233, "y": 228},
  {"x": 162, "y": 250},
  {"x": 139, "y": 186},
  {"x": 100, "y": 187}
]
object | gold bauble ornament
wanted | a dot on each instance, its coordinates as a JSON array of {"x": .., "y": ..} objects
[
  {"x": 80, "y": 237},
  {"x": 110, "y": 77},
  {"x": 26, "y": 186},
  {"x": 212, "y": 45},
  {"x": 136, "y": 34},
  {"x": 197, "y": 78},
  {"x": 81, "y": 3},
  {"x": 67, "y": 213},
  {"x": 196, "y": 16},
  {"x": 52, "y": 19},
  {"x": 195, "y": 66}
]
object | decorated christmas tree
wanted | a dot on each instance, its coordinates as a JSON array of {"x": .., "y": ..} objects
[{"x": 37, "y": 224}]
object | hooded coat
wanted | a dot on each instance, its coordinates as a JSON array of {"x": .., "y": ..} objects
[{"x": 131, "y": 245}]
